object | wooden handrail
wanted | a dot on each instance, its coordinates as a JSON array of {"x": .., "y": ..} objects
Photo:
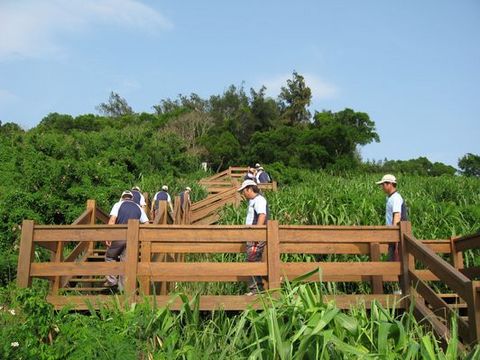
[
  {"x": 413, "y": 250},
  {"x": 468, "y": 242}
]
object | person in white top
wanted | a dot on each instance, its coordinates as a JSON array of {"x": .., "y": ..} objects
[
  {"x": 395, "y": 211},
  {"x": 257, "y": 214}
]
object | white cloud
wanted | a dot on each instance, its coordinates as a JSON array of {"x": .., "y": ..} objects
[
  {"x": 34, "y": 28},
  {"x": 321, "y": 89}
]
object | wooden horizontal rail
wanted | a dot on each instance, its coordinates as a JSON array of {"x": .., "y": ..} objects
[
  {"x": 80, "y": 233},
  {"x": 225, "y": 302},
  {"x": 469, "y": 242},
  {"x": 76, "y": 268}
]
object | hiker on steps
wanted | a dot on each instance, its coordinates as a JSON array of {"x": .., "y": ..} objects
[
  {"x": 185, "y": 197},
  {"x": 257, "y": 214},
  {"x": 122, "y": 211},
  {"x": 162, "y": 195},
  {"x": 250, "y": 175},
  {"x": 138, "y": 198},
  {"x": 262, "y": 176}
]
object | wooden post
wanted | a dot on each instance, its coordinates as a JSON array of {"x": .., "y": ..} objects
[
  {"x": 57, "y": 257},
  {"x": 177, "y": 211},
  {"x": 145, "y": 257},
  {"x": 273, "y": 255},
  {"x": 456, "y": 256},
  {"x": 91, "y": 204},
  {"x": 406, "y": 259},
  {"x": 131, "y": 262},
  {"x": 474, "y": 311},
  {"x": 25, "y": 256},
  {"x": 377, "y": 281}
]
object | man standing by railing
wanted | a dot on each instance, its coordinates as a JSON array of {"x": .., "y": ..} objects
[
  {"x": 257, "y": 214},
  {"x": 395, "y": 211},
  {"x": 122, "y": 211}
]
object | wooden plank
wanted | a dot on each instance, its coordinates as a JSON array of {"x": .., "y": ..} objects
[
  {"x": 438, "y": 246},
  {"x": 209, "y": 220},
  {"x": 215, "y": 302},
  {"x": 25, "y": 256},
  {"x": 79, "y": 249},
  {"x": 456, "y": 256},
  {"x": 324, "y": 234},
  {"x": 146, "y": 256},
  {"x": 101, "y": 215},
  {"x": 84, "y": 218},
  {"x": 201, "y": 233},
  {"x": 472, "y": 272},
  {"x": 131, "y": 260},
  {"x": 57, "y": 258},
  {"x": 197, "y": 248},
  {"x": 440, "y": 307},
  {"x": 170, "y": 271},
  {"x": 442, "y": 269},
  {"x": 472, "y": 298},
  {"x": 76, "y": 269},
  {"x": 330, "y": 248},
  {"x": 80, "y": 233},
  {"x": 273, "y": 255},
  {"x": 467, "y": 242},
  {"x": 425, "y": 316},
  {"x": 341, "y": 269},
  {"x": 377, "y": 283}
]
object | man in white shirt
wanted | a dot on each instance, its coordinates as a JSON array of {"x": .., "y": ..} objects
[
  {"x": 257, "y": 214},
  {"x": 122, "y": 211}
]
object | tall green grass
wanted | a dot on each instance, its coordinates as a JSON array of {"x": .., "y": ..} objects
[{"x": 297, "y": 325}]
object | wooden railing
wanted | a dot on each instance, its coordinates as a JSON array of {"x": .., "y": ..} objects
[
  {"x": 232, "y": 177},
  {"x": 147, "y": 243},
  {"x": 144, "y": 241},
  {"x": 427, "y": 303}
]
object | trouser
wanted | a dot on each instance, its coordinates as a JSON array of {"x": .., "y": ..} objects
[
  {"x": 254, "y": 254},
  {"x": 116, "y": 252},
  {"x": 393, "y": 254}
]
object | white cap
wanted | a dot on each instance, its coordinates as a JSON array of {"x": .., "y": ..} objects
[
  {"x": 127, "y": 193},
  {"x": 188, "y": 188},
  {"x": 165, "y": 188},
  {"x": 246, "y": 183},
  {"x": 389, "y": 178},
  {"x": 257, "y": 165},
  {"x": 136, "y": 188}
]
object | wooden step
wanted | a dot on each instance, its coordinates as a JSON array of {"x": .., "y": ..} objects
[
  {"x": 96, "y": 258},
  {"x": 86, "y": 289},
  {"x": 87, "y": 280}
]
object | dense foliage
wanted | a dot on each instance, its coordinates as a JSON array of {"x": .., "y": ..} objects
[{"x": 297, "y": 325}]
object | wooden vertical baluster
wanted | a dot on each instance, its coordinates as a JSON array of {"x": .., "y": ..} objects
[
  {"x": 25, "y": 256},
  {"x": 131, "y": 263},
  {"x": 377, "y": 281},
  {"x": 273, "y": 258}
]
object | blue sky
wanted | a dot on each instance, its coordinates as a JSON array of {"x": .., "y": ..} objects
[{"x": 413, "y": 66}]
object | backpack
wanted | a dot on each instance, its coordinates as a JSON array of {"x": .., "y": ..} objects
[{"x": 404, "y": 212}]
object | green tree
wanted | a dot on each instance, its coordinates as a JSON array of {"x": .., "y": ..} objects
[
  {"x": 469, "y": 164},
  {"x": 116, "y": 106},
  {"x": 294, "y": 100}
]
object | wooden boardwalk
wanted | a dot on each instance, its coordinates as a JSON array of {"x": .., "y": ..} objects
[{"x": 155, "y": 256}]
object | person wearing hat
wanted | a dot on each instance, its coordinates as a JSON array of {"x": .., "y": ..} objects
[
  {"x": 139, "y": 198},
  {"x": 262, "y": 176},
  {"x": 122, "y": 211},
  {"x": 250, "y": 175},
  {"x": 185, "y": 197},
  {"x": 395, "y": 209},
  {"x": 257, "y": 214},
  {"x": 162, "y": 195}
]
